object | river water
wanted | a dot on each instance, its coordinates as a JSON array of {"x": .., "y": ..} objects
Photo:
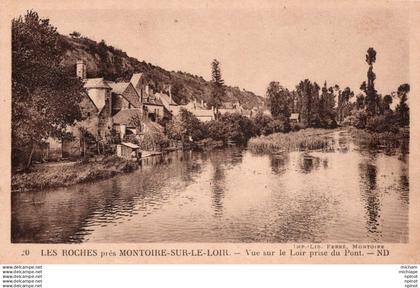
[{"x": 348, "y": 194}]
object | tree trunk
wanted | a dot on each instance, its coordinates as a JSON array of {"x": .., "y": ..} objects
[{"x": 28, "y": 164}]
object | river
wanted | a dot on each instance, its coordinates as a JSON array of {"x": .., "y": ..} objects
[{"x": 348, "y": 194}]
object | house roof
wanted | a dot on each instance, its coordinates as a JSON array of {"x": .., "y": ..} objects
[
  {"x": 119, "y": 87},
  {"x": 294, "y": 116},
  {"x": 136, "y": 78},
  {"x": 131, "y": 145},
  {"x": 96, "y": 83},
  {"x": 152, "y": 101},
  {"x": 125, "y": 116},
  {"x": 203, "y": 112},
  {"x": 166, "y": 98}
]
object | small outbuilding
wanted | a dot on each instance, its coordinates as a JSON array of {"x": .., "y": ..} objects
[
  {"x": 128, "y": 151},
  {"x": 294, "y": 118}
]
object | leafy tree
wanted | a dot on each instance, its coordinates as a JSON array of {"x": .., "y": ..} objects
[
  {"x": 261, "y": 123},
  {"x": 371, "y": 100},
  {"x": 238, "y": 127},
  {"x": 309, "y": 94},
  {"x": 218, "y": 89},
  {"x": 387, "y": 101},
  {"x": 216, "y": 130},
  {"x": 186, "y": 126},
  {"x": 279, "y": 99},
  {"x": 360, "y": 102},
  {"x": 45, "y": 98},
  {"x": 402, "y": 108},
  {"x": 75, "y": 34},
  {"x": 344, "y": 105}
]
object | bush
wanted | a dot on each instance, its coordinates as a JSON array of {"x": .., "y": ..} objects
[
  {"x": 216, "y": 130},
  {"x": 296, "y": 127},
  {"x": 382, "y": 124},
  {"x": 360, "y": 120}
]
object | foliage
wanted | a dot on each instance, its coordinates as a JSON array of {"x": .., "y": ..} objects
[
  {"x": 238, "y": 127},
  {"x": 402, "y": 109},
  {"x": 278, "y": 100},
  {"x": 184, "y": 126},
  {"x": 216, "y": 130},
  {"x": 218, "y": 89},
  {"x": 309, "y": 94},
  {"x": 371, "y": 100},
  {"x": 382, "y": 124},
  {"x": 45, "y": 97},
  {"x": 261, "y": 123},
  {"x": 360, "y": 119}
]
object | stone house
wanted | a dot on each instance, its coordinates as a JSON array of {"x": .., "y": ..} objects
[
  {"x": 152, "y": 105},
  {"x": 104, "y": 108}
]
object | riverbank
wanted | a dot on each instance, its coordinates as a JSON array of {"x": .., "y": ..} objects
[
  {"x": 306, "y": 139},
  {"x": 60, "y": 174},
  {"x": 383, "y": 139}
]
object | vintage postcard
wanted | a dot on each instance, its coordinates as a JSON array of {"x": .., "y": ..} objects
[{"x": 210, "y": 132}]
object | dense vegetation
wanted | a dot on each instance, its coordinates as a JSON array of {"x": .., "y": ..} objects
[
  {"x": 308, "y": 139},
  {"x": 318, "y": 108},
  {"x": 45, "y": 97}
]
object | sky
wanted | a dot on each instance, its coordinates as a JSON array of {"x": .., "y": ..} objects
[{"x": 255, "y": 45}]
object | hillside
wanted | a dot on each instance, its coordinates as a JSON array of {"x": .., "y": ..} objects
[{"x": 113, "y": 64}]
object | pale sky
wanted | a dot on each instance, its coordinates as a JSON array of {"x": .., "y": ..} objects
[{"x": 256, "y": 46}]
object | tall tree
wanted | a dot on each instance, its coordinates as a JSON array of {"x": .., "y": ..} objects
[
  {"x": 402, "y": 108},
  {"x": 309, "y": 95},
  {"x": 45, "y": 97},
  {"x": 218, "y": 88},
  {"x": 344, "y": 103},
  {"x": 371, "y": 100},
  {"x": 387, "y": 101},
  {"x": 279, "y": 99}
]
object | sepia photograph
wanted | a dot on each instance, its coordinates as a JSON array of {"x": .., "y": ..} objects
[{"x": 210, "y": 125}]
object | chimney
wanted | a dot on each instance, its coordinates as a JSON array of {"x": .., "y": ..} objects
[
  {"x": 81, "y": 69},
  {"x": 170, "y": 94}
]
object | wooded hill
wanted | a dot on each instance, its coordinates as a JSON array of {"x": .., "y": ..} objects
[{"x": 114, "y": 64}]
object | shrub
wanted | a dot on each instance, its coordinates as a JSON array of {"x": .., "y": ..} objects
[
  {"x": 360, "y": 120},
  {"x": 382, "y": 124}
]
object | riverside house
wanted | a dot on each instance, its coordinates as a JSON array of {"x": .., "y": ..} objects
[{"x": 107, "y": 105}]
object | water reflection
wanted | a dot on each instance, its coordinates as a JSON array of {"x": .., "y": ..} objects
[
  {"x": 278, "y": 163},
  {"x": 368, "y": 175},
  {"x": 351, "y": 195},
  {"x": 308, "y": 163}
]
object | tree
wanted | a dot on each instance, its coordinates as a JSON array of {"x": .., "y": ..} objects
[
  {"x": 360, "y": 102},
  {"x": 309, "y": 94},
  {"x": 75, "y": 34},
  {"x": 45, "y": 98},
  {"x": 279, "y": 99},
  {"x": 184, "y": 126},
  {"x": 402, "y": 108},
  {"x": 218, "y": 90},
  {"x": 371, "y": 100},
  {"x": 386, "y": 103},
  {"x": 344, "y": 107}
]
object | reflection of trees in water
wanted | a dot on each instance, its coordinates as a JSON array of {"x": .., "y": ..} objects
[
  {"x": 370, "y": 194},
  {"x": 222, "y": 160},
  {"x": 218, "y": 181},
  {"x": 68, "y": 214},
  {"x": 278, "y": 163},
  {"x": 308, "y": 163}
]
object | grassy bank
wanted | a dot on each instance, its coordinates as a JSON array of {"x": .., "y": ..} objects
[
  {"x": 383, "y": 139},
  {"x": 307, "y": 139},
  {"x": 64, "y": 174}
]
